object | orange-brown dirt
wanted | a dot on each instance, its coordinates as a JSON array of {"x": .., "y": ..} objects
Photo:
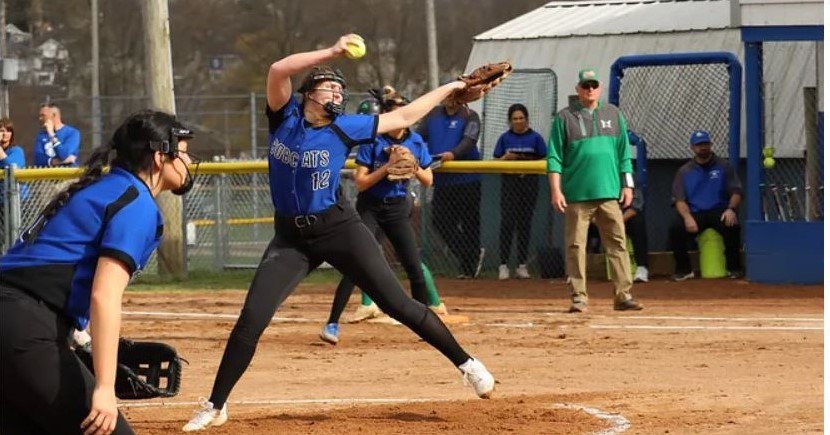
[{"x": 705, "y": 356}]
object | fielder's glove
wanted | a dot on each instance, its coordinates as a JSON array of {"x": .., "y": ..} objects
[
  {"x": 402, "y": 163},
  {"x": 480, "y": 81},
  {"x": 145, "y": 369}
]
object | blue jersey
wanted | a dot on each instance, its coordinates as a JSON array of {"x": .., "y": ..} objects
[
  {"x": 444, "y": 132},
  {"x": 529, "y": 144},
  {"x": 706, "y": 187},
  {"x": 17, "y": 157},
  {"x": 68, "y": 143},
  {"x": 304, "y": 162},
  {"x": 113, "y": 217},
  {"x": 373, "y": 156}
]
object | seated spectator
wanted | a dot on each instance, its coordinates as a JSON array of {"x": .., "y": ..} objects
[
  {"x": 706, "y": 194},
  {"x": 518, "y": 192}
]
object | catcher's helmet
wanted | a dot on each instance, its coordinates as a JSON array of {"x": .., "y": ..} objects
[{"x": 369, "y": 106}]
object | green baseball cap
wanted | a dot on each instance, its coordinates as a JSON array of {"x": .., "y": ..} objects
[{"x": 588, "y": 75}]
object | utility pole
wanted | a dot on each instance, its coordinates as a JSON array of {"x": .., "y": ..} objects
[
  {"x": 5, "y": 111},
  {"x": 159, "y": 86},
  {"x": 95, "y": 91},
  {"x": 432, "y": 44}
]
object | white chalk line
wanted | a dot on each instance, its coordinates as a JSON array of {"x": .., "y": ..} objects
[
  {"x": 212, "y": 316},
  {"x": 718, "y": 319},
  {"x": 712, "y": 328},
  {"x": 619, "y": 424},
  {"x": 529, "y": 325},
  {"x": 350, "y": 401}
]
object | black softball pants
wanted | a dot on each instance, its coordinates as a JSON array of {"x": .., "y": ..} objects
[
  {"x": 518, "y": 201},
  {"x": 680, "y": 239},
  {"x": 456, "y": 216},
  {"x": 302, "y": 243},
  {"x": 388, "y": 217},
  {"x": 46, "y": 389}
]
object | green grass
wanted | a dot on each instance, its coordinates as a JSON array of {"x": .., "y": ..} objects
[{"x": 223, "y": 280}]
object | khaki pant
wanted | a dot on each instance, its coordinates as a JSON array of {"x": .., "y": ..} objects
[{"x": 609, "y": 221}]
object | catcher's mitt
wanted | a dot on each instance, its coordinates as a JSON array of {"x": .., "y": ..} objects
[
  {"x": 402, "y": 163},
  {"x": 145, "y": 370},
  {"x": 480, "y": 81}
]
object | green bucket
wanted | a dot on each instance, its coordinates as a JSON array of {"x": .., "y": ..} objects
[{"x": 712, "y": 259}]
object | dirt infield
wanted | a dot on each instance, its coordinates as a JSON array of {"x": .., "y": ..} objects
[{"x": 706, "y": 356}]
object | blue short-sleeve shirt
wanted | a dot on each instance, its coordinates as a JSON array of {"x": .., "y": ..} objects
[
  {"x": 304, "y": 162},
  {"x": 68, "y": 143},
  {"x": 373, "y": 156},
  {"x": 114, "y": 217},
  {"x": 529, "y": 144}
]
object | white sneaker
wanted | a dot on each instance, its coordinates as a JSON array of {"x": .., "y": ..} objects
[
  {"x": 364, "y": 312},
  {"x": 521, "y": 272},
  {"x": 475, "y": 374},
  {"x": 504, "y": 272},
  {"x": 206, "y": 416},
  {"x": 641, "y": 275}
]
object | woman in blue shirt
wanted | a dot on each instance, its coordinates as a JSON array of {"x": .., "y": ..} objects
[
  {"x": 518, "y": 192},
  {"x": 309, "y": 143},
  {"x": 10, "y": 155},
  {"x": 386, "y": 207},
  {"x": 69, "y": 270}
]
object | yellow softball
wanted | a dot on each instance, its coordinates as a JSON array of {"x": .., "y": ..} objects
[{"x": 355, "y": 48}]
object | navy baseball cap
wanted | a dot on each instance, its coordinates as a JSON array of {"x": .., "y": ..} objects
[{"x": 700, "y": 137}]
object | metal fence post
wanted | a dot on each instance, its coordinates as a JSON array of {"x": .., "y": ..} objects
[
  {"x": 254, "y": 176},
  {"x": 218, "y": 222},
  {"x": 6, "y": 241},
  {"x": 13, "y": 197}
]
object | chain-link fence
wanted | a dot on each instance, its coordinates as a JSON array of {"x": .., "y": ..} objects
[
  {"x": 228, "y": 219},
  {"x": 664, "y": 98},
  {"x": 792, "y": 174},
  {"x": 535, "y": 88}
]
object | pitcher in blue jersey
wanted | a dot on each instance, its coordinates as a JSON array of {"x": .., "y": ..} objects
[
  {"x": 309, "y": 142},
  {"x": 69, "y": 270}
]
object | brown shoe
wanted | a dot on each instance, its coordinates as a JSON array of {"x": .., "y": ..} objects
[
  {"x": 578, "y": 307},
  {"x": 629, "y": 305}
]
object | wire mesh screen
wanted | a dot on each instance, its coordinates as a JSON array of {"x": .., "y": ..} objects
[
  {"x": 792, "y": 172},
  {"x": 536, "y": 89},
  {"x": 227, "y": 221},
  {"x": 665, "y": 104}
]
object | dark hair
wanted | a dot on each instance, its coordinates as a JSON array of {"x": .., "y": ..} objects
[
  {"x": 392, "y": 98},
  {"x": 132, "y": 143},
  {"x": 514, "y": 107},
  {"x": 8, "y": 125}
]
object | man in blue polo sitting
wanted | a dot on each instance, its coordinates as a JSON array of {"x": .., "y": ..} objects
[{"x": 706, "y": 194}]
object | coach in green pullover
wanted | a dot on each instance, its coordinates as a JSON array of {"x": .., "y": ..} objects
[{"x": 589, "y": 170}]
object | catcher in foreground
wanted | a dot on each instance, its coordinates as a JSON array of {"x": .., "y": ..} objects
[{"x": 70, "y": 269}]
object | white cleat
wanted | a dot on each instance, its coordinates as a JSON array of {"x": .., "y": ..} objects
[
  {"x": 504, "y": 272},
  {"x": 521, "y": 272},
  {"x": 475, "y": 374},
  {"x": 364, "y": 312},
  {"x": 641, "y": 275},
  {"x": 206, "y": 416}
]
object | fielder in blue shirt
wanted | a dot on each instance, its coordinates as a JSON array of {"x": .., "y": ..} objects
[
  {"x": 70, "y": 268},
  {"x": 56, "y": 144},
  {"x": 518, "y": 192},
  {"x": 451, "y": 131},
  {"x": 385, "y": 207},
  {"x": 309, "y": 142},
  {"x": 706, "y": 194}
]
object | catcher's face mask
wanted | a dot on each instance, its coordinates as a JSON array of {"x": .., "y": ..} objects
[{"x": 170, "y": 147}]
